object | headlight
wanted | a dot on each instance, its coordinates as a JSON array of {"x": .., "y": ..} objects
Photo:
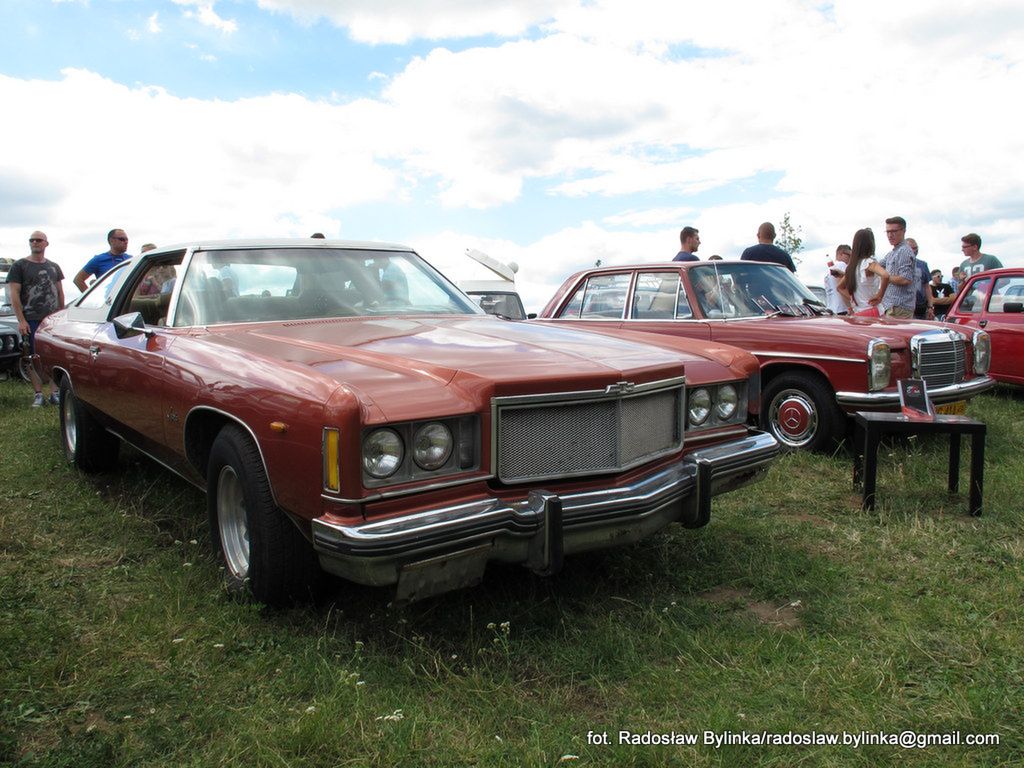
[
  {"x": 699, "y": 406},
  {"x": 382, "y": 453},
  {"x": 725, "y": 405},
  {"x": 982, "y": 352},
  {"x": 879, "y": 364},
  {"x": 431, "y": 446}
]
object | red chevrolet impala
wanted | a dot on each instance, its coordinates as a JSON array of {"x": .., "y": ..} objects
[{"x": 344, "y": 406}]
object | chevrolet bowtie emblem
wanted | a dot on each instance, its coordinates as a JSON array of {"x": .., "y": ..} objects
[{"x": 620, "y": 388}]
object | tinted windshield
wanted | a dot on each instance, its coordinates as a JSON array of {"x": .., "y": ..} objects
[
  {"x": 259, "y": 284},
  {"x": 746, "y": 289}
]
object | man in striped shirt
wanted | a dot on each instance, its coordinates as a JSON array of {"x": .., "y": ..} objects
[{"x": 901, "y": 264}]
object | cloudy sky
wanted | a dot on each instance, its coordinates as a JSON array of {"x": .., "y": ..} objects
[{"x": 552, "y": 133}]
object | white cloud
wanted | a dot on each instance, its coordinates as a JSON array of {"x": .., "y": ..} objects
[
  {"x": 399, "y": 21},
  {"x": 854, "y": 111},
  {"x": 207, "y": 16},
  {"x": 153, "y": 23}
]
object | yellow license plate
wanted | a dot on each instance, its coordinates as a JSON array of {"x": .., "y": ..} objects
[{"x": 958, "y": 408}]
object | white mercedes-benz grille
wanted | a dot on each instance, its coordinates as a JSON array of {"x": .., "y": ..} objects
[{"x": 585, "y": 433}]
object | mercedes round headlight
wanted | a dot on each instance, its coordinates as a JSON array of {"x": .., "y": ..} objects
[
  {"x": 699, "y": 406},
  {"x": 982, "y": 352},
  {"x": 725, "y": 405},
  {"x": 382, "y": 453},
  {"x": 431, "y": 446},
  {"x": 879, "y": 365}
]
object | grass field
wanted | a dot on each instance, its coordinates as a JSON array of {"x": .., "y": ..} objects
[{"x": 792, "y": 611}]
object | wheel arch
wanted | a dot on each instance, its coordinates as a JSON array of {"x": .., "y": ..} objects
[
  {"x": 202, "y": 425},
  {"x": 773, "y": 370}
]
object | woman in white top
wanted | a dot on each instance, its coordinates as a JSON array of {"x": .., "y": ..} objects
[{"x": 865, "y": 280}]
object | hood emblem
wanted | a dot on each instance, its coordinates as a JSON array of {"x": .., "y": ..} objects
[{"x": 620, "y": 388}]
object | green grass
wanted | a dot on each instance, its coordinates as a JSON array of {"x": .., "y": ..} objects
[{"x": 792, "y": 611}]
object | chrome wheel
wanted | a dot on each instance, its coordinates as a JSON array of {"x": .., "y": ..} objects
[
  {"x": 232, "y": 522},
  {"x": 67, "y": 410},
  {"x": 793, "y": 418}
]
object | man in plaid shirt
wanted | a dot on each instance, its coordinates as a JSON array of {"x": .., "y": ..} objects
[{"x": 901, "y": 264}]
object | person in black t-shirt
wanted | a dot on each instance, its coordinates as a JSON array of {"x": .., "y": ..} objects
[{"x": 36, "y": 291}]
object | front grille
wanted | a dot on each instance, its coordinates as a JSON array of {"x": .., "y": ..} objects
[
  {"x": 940, "y": 358},
  {"x": 567, "y": 435}
]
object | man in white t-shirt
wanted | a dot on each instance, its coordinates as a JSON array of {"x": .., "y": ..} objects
[{"x": 836, "y": 269}]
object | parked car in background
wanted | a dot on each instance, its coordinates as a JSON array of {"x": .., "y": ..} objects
[
  {"x": 344, "y": 406},
  {"x": 816, "y": 367},
  {"x": 11, "y": 361},
  {"x": 819, "y": 293},
  {"x": 994, "y": 300},
  {"x": 505, "y": 304}
]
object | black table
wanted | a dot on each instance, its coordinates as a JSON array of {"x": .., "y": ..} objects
[{"x": 869, "y": 428}]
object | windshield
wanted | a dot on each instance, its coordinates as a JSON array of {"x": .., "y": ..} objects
[
  {"x": 260, "y": 284},
  {"x": 747, "y": 289}
]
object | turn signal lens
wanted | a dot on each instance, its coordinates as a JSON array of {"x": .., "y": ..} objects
[{"x": 332, "y": 457}]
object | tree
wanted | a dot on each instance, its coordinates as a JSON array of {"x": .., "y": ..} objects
[{"x": 789, "y": 238}]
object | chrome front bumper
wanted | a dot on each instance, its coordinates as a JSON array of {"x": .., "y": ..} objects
[
  {"x": 945, "y": 394},
  {"x": 447, "y": 548}
]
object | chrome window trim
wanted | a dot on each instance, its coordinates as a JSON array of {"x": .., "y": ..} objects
[{"x": 802, "y": 356}]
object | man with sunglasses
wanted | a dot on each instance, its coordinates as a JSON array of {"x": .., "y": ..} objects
[
  {"x": 102, "y": 263},
  {"x": 36, "y": 290}
]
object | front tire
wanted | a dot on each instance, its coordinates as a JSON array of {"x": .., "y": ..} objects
[
  {"x": 800, "y": 411},
  {"x": 262, "y": 550},
  {"x": 86, "y": 443}
]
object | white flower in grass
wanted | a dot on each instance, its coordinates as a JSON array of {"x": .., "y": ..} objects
[
  {"x": 218, "y": 645},
  {"x": 394, "y": 717},
  {"x": 178, "y": 640},
  {"x": 310, "y": 710}
]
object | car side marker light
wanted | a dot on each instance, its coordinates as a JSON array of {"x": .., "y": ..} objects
[{"x": 332, "y": 455}]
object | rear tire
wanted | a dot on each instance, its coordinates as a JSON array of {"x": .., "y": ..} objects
[
  {"x": 800, "y": 411},
  {"x": 263, "y": 552},
  {"x": 86, "y": 443}
]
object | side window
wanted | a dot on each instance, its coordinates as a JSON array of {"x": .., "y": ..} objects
[
  {"x": 605, "y": 297},
  {"x": 657, "y": 297},
  {"x": 974, "y": 298},
  {"x": 1007, "y": 290},
  {"x": 95, "y": 304},
  {"x": 572, "y": 309}
]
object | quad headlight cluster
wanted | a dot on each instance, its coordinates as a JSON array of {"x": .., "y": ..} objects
[
  {"x": 716, "y": 405},
  {"x": 419, "y": 450}
]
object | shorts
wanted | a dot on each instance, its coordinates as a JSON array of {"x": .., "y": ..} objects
[{"x": 33, "y": 325}]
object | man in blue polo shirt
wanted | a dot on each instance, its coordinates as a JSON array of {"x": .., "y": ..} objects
[{"x": 102, "y": 263}]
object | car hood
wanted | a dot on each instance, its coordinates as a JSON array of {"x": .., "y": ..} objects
[
  {"x": 449, "y": 362},
  {"x": 841, "y": 334}
]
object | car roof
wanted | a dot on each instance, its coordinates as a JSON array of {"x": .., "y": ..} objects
[{"x": 294, "y": 242}]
